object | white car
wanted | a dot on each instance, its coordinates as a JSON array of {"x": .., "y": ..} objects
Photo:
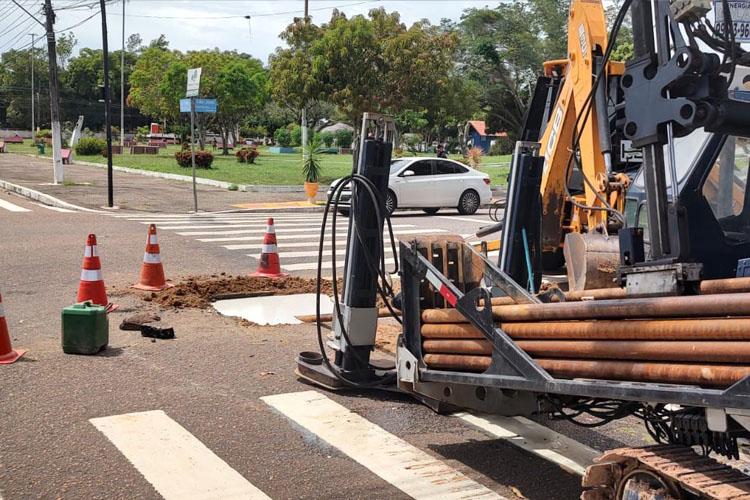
[{"x": 430, "y": 184}]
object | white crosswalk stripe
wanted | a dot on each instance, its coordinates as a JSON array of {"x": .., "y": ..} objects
[
  {"x": 12, "y": 207},
  {"x": 297, "y": 234},
  {"x": 6, "y": 205},
  {"x": 401, "y": 464},
  {"x": 174, "y": 461}
]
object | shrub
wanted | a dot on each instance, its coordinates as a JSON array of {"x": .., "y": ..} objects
[
  {"x": 282, "y": 137},
  {"x": 247, "y": 155},
  {"x": 344, "y": 138},
  {"x": 327, "y": 138},
  {"x": 44, "y": 133},
  {"x": 203, "y": 159},
  {"x": 253, "y": 132},
  {"x": 233, "y": 187},
  {"x": 311, "y": 160},
  {"x": 295, "y": 132},
  {"x": 88, "y": 146},
  {"x": 474, "y": 157},
  {"x": 502, "y": 146}
]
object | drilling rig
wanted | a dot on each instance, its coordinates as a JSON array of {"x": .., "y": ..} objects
[{"x": 635, "y": 177}]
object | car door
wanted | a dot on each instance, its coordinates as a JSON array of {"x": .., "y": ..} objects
[
  {"x": 448, "y": 183},
  {"x": 415, "y": 190}
]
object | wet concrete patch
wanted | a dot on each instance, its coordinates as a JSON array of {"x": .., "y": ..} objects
[{"x": 274, "y": 310}]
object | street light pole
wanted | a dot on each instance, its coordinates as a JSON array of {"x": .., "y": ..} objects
[
  {"x": 54, "y": 93},
  {"x": 33, "y": 124},
  {"x": 107, "y": 105},
  {"x": 122, "y": 81}
]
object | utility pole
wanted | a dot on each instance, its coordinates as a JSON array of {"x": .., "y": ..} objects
[
  {"x": 107, "y": 104},
  {"x": 54, "y": 94},
  {"x": 122, "y": 81},
  {"x": 33, "y": 124},
  {"x": 304, "y": 105}
]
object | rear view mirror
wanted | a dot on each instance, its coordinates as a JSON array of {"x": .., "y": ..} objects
[{"x": 408, "y": 173}]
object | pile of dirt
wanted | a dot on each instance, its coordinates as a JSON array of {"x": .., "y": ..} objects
[{"x": 200, "y": 291}]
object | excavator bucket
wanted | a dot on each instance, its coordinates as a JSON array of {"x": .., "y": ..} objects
[{"x": 591, "y": 260}]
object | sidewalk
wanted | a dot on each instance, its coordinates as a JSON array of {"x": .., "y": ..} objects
[{"x": 86, "y": 186}]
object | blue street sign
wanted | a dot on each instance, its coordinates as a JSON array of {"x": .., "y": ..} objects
[{"x": 201, "y": 106}]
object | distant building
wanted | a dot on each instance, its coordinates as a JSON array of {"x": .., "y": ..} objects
[{"x": 477, "y": 136}]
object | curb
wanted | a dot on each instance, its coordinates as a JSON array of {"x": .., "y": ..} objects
[
  {"x": 42, "y": 197},
  {"x": 247, "y": 188}
]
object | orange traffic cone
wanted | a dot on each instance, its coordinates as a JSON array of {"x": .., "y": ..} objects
[
  {"x": 269, "y": 266},
  {"x": 152, "y": 272},
  {"x": 92, "y": 284},
  {"x": 7, "y": 354}
]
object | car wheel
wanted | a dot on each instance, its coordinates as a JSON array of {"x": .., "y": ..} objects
[
  {"x": 469, "y": 202},
  {"x": 390, "y": 203},
  {"x": 430, "y": 211},
  {"x": 344, "y": 212}
]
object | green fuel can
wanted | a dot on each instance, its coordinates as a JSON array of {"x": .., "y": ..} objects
[{"x": 85, "y": 328}]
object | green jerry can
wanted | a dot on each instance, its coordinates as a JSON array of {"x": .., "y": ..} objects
[{"x": 85, "y": 328}]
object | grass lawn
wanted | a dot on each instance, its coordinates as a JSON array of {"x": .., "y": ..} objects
[{"x": 269, "y": 168}]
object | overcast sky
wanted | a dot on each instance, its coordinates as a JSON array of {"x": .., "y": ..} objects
[{"x": 194, "y": 24}]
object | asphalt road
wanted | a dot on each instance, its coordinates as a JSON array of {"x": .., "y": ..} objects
[{"x": 210, "y": 381}]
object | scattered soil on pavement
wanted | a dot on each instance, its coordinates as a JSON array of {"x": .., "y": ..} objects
[{"x": 199, "y": 291}]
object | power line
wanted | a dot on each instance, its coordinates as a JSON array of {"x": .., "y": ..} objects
[
  {"x": 24, "y": 28},
  {"x": 266, "y": 14}
]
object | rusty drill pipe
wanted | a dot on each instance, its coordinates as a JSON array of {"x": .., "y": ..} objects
[
  {"x": 642, "y": 329},
  {"x": 455, "y": 362},
  {"x": 686, "y": 352},
  {"x": 734, "y": 304},
  {"x": 472, "y": 346},
  {"x": 720, "y": 329},
  {"x": 450, "y": 331},
  {"x": 383, "y": 312},
  {"x": 707, "y": 287},
  {"x": 729, "y": 285},
  {"x": 704, "y": 375}
]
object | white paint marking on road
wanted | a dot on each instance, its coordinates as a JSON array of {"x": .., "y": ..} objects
[
  {"x": 11, "y": 207},
  {"x": 569, "y": 454},
  {"x": 464, "y": 219},
  {"x": 307, "y": 266},
  {"x": 174, "y": 220},
  {"x": 174, "y": 461},
  {"x": 312, "y": 235},
  {"x": 406, "y": 467},
  {"x": 257, "y": 228},
  {"x": 314, "y": 253},
  {"x": 289, "y": 244},
  {"x": 56, "y": 209}
]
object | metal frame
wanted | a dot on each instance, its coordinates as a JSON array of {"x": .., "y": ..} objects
[{"x": 512, "y": 368}]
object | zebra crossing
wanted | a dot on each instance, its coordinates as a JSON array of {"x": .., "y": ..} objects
[
  {"x": 195, "y": 471},
  {"x": 297, "y": 234}
]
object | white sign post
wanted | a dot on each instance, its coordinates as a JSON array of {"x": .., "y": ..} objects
[{"x": 193, "y": 90}]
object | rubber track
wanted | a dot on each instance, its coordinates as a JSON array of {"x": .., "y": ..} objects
[{"x": 696, "y": 474}]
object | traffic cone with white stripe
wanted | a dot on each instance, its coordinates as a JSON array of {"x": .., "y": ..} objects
[
  {"x": 92, "y": 284},
  {"x": 269, "y": 266},
  {"x": 7, "y": 354},
  {"x": 152, "y": 272}
]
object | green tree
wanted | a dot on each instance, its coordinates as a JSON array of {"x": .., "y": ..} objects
[
  {"x": 363, "y": 63},
  {"x": 503, "y": 49},
  {"x": 15, "y": 88},
  {"x": 146, "y": 92}
]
